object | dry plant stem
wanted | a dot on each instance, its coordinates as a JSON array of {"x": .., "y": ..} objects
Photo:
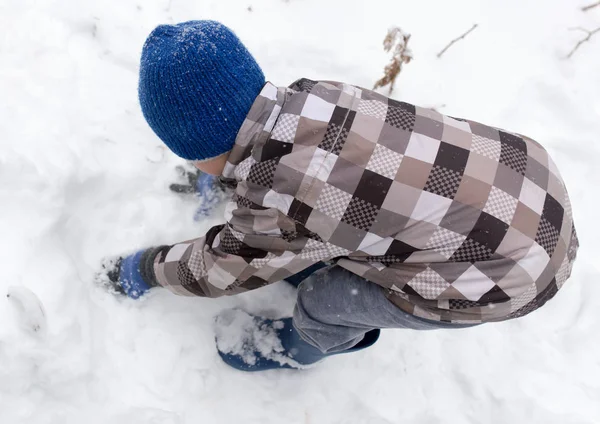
[
  {"x": 398, "y": 40},
  {"x": 590, "y": 6},
  {"x": 457, "y": 39},
  {"x": 584, "y": 40}
]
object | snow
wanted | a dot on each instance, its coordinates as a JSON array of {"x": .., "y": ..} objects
[
  {"x": 31, "y": 313},
  {"x": 82, "y": 177}
]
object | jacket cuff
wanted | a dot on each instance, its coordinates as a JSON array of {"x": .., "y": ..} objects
[{"x": 147, "y": 265}]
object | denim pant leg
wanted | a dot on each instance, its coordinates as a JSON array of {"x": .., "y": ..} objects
[{"x": 335, "y": 309}]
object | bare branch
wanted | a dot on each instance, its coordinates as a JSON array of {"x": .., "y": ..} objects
[
  {"x": 398, "y": 40},
  {"x": 457, "y": 39},
  {"x": 590, "y": 6},
  {"x": 584, "y": 40}
]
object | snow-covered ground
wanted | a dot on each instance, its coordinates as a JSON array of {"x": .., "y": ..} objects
[{"x": 82, "y": 177}]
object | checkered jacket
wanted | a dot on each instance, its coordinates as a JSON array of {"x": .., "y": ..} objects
[{"x": 458, "y": 221}]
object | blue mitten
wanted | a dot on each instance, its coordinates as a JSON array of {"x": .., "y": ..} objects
[
  {"x": 205, "y": 187},
  {"x": 210, "y": 193},
  {"x": 130, "y": 277}
]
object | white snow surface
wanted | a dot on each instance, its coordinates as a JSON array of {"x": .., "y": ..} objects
[{"x": 82, "y": 177}]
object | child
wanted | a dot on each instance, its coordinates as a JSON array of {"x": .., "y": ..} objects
[{"x": 387, "y": 215}]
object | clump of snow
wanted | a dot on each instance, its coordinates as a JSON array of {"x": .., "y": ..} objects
[
  {"x": 30, "y": 310},
  {"x": 251, "y": 337},
  {"x": 239, "y": 333}
]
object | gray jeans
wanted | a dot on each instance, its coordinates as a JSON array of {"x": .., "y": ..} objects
[{"x": 335, "y": 309}]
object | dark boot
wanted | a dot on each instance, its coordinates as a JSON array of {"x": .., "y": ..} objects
[{"x": 276, "y": 345}]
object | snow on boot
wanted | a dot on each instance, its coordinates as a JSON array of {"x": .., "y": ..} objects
[{"x": 250, "y": 343}]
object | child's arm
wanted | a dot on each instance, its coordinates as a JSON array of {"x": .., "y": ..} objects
[{"x": 255, "y": 248}]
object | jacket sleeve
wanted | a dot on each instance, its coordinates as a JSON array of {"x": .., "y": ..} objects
[{"x": 257, "y": 246}]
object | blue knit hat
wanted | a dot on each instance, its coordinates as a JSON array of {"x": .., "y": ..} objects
[{"x": 197, "y": 84}]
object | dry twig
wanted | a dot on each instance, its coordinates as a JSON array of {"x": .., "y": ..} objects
[
  {"x": 398, "y": 40},
  {"x": 457, "y": 39},
  {"x": 584, "y": 40},
  {"x": 590, "y": 6}
]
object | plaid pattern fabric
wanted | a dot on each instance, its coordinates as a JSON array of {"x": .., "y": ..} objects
[{"x": 459, "y": 221}]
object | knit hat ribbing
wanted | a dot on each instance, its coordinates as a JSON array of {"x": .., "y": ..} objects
[{"x": 197, "y": 84}]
